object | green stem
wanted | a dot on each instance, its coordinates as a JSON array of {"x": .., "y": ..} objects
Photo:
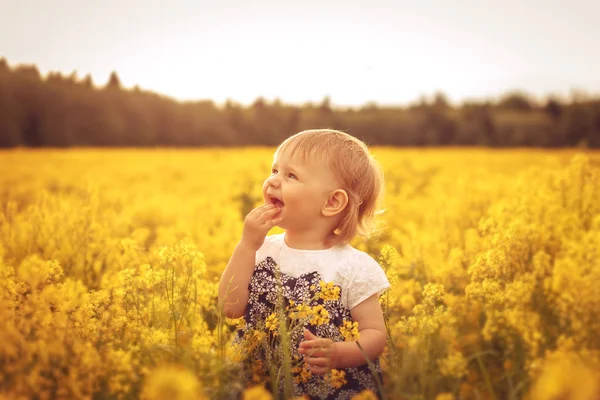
[
  {"x": 486, "y": 377},
  {"x": 373, "y": 372}
]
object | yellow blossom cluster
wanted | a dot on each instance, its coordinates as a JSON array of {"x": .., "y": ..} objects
[
  {"x": 315, "y": 315},
  {"x": 272, "y": 323},
  {"x": 301, "y": 373},
  {"x": 349, "y": 330},
  {"x": 329, "y": 291},
  {"x": 110, "y": 260},
  {"x": 336, "y": 378}
]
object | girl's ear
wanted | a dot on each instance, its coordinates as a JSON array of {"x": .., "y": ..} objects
[{"x": 336, "y": 203}]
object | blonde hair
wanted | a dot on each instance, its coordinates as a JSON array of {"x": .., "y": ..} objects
[{"x": 356, "y": 170}]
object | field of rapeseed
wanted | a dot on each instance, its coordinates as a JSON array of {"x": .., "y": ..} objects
[{"x": 109, "y": 263}]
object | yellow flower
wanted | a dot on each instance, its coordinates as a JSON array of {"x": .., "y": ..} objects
[
  {"x": 455, "y": 365},
  {"x": 258, "y": 371},
  {"x": 272, "y": 323},
  {"x": 301, "y": 311},
  {"x": 316, "y": 315},
  {"x": 336, "y": 378},
  {"x": 349, "y": 331},
  {"x": 252, "y": 340},
  {"x": 365, "y": 395},
  {"x": 302, "y": 373},
  {"x": 329, "y": 291},
  {"x": 565, "y": 376},
  {"x": 319, "y": 315},
  {"x": 257, "y": 392},
  {"x": 171, "y": 383}
]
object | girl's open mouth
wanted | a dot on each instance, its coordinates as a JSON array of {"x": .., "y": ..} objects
[{"x": 278, "y": 203}]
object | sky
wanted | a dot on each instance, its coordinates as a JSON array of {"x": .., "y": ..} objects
[{"x": 384, "y": 51}]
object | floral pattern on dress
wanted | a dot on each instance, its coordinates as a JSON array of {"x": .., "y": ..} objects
[{"x": 308, "y": 303}]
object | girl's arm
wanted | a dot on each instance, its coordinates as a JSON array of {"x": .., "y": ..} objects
[
  {"x": 322, "y": 354},
  {"x": 373, "y": 336},
  {"x": 233, "y": 286}
]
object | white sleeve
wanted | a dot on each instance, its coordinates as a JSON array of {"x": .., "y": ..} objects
[
  {"x": 266, "y": 249},
  {"x": 369, "y": 279}
]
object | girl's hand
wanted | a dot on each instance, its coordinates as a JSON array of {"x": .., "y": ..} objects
[
  {"x": 257, "y": 224},
  {"x": 319, "y": 353}
]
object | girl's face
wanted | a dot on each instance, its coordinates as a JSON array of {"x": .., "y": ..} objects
[{"x": 300, "y": 188}]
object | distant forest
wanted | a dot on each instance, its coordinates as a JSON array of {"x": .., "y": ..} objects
[{"x": 63, "y": 111}]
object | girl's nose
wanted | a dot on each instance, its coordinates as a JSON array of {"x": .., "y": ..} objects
[{"x": 273, "y": 181}]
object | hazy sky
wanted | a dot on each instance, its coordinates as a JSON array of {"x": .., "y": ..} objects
[{"x": 354, "y": 51}]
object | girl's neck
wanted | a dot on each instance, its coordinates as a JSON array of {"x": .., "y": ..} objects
[{"x": 304, "y": 241}]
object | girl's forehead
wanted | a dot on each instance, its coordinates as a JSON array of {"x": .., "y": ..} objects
[
  {"x": 286, "y": 157},
  {"x": 297, "y": 155},
  {"x": 298, "y": 161}
]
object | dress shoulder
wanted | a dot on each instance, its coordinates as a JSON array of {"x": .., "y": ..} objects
[{"x": 368, "y": 278}]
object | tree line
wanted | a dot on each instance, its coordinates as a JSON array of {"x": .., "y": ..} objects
[{"x": 63, "y": 110}]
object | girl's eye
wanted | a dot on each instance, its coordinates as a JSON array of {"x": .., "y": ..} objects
[
  {"x": 273, "y": 171},
  {"x": 292, "y": 176}
]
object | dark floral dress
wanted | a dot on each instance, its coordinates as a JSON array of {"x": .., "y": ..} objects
[{"x": 306, "y": 302}]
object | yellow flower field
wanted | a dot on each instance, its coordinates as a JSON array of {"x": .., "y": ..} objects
[{"x": 109, "y": 263}]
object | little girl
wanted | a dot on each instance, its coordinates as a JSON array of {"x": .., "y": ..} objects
[{"x": 323, "y": 191}]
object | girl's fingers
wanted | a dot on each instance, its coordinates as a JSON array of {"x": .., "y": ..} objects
[
  {"x": 317, "y": 362},
  {"x": 268, "y": 214},
  {"x": 259, "y": 209},
  {"x": 318, "y": 370},
  {"x": 258, "y": 212},
  {"x": 317, "y": 353},
  {"x": 274, "y": 222},
  {"x": 315, "y": 344},
  {"x": 265, "y": 211},
  {"x": 315, "y": 349},
  {"x": 264, "y": 207}
]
